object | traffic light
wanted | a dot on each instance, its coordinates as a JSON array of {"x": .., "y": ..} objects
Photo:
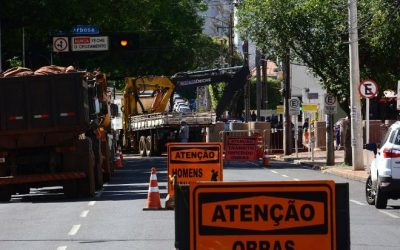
[{"x": 124, "y": 41}]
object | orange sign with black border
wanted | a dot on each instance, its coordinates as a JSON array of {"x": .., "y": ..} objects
[
  {"x": 191, "y": 162},
  {"x": 263, "y": 215}
]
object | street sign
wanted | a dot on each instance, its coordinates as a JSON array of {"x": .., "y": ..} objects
[
  {"x": 279, "y": 109},
  {"x": 330, "y": 107},
  {"x": 310, "y": 107},
  {"x": 60, "y": 44},
  {"x": 89, "y": 43},
  {"x": 240, "y": 148},
  {"x": 263, "y": 215},
  {"x": 85, "y": 30},
  {"x": 196, "y": 161},
  {"x": 294, "y": 106},
  {"x": 368, "y": 89}
]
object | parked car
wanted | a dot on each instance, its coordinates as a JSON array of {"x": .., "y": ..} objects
[{"x": 383, "y": 182}]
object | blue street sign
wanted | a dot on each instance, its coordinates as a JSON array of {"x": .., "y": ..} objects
[{"x": 85, "y": 30}]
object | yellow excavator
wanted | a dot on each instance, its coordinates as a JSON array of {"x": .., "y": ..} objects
[{"x": 148, "y": 121}]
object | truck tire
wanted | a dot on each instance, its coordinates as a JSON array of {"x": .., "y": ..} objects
[
  {"x": 380, "y": 197},
  {"x": 149, "y": 146},
  {"x": 142, "y": 146},
  {"x": 5, "y": 194},
  {"x": 370, "y": 191},
  {"x": 98, "y": 172},
  {"x": 106, "y": 168},
  {"x": 86, "y": 186}
]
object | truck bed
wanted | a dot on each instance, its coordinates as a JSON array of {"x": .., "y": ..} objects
[
  {"x": 42, "y": 110},
  {"x": 174, "y": 119}
]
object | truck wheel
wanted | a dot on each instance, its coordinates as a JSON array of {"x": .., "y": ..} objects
[
  {"x": 370, "y": 191},
  {"x": 142, "y": 146},
  {"x": 149, "y": 146},
  {"x": 98, "y": 172},
  {"x": 380, "y": 198},
  {"x": 70, "y": 189},
  {"x": 86, "y": 186},
  {"x": 5, "y": 194}
]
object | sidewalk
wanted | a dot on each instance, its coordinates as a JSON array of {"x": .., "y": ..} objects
[{"x": 319, "y": 162}]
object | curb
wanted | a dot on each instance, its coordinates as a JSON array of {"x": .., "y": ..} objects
[{"x": 348, "y": 174}]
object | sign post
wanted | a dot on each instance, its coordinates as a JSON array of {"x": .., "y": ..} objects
[
  {"x": 330, "y": 109},
  {"x": 368, "y": 89},
  {"x": 294, "y": 111}
]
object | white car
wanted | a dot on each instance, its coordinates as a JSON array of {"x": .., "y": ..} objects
[{"x": 383, "y": 182}]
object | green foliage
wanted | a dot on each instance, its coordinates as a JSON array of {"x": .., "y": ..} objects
[
  {"x": 316, "y": 31},
  {"x": 274, "y": 96},
  {"x": 15, "y": 62},
  {"x": 170, "y": 34},
  {"x": 216, "y": 91}
]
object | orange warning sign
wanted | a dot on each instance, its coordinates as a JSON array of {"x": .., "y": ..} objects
[
  {"x": 241, "y": 148},
  {"x": 263, "y": 215},
  {"x": 191, "y": 162}
]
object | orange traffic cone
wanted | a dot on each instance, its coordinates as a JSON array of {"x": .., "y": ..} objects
[
  {"x": 153, "y": 195},
  {"x": 117, "y": 160}
]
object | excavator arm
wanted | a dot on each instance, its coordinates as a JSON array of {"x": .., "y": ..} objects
[{"x": 234, "y": 77}]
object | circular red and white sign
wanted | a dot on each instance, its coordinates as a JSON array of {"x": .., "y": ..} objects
[
  {"x": 368, "y": 89},
  {"x": 60, "y": 44}
]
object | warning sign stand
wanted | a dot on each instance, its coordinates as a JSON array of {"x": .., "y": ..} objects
[{"x": 234, "y": 215}]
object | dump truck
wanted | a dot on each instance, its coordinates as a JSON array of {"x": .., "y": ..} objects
[
  {"x": 148, "y": 119},
  {"x": 54, "y": 131}
]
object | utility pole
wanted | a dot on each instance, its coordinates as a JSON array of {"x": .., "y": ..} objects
[
  {"x": 247, "y": 85},
  {"x": 355, "y": 105},
  {"x": 258, "y": 83},
  {"x": 264, "y": 81},
  {"x": 231, "y": 39},
  {"x": 287, "y": 128},
  {"x": 1, "y": 66},
  {"x": 23, "y": 46}
]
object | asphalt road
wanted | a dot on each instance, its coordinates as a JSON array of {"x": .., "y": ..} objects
[{"x": 115, "y": 219}]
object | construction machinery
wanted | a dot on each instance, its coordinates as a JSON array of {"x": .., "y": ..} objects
[
  {"x": 54, "y": 131},
  {"x": 148, "y": 120}
]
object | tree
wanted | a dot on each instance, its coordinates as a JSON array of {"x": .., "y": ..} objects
[
  {"x": 170, "y": 34},
  {"x": 316, "y": 32}
]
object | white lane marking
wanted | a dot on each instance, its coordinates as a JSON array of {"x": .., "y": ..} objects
[
  {"x": 285, "y": 176},
  {"x": 389, "y": 214},
  {"x": 84, "y": 213},
  {"x": 74, "y": 229},
  {"x": 296, "y": 179},
  {"x": 273, "y": 171},
  {"x": 62, "y": 248},
  {"x": 358, "y": 203},
  {"x": 92, "y": 203}
]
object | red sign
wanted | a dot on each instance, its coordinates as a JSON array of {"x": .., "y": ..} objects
[
  {"x": 241, "y": 148},
  {"x": 368, "y": 89}
]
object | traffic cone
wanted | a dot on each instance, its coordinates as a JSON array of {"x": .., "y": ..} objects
[
  {"x": 117, "y": 160},
  {"x": 153, "y": 196}
]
